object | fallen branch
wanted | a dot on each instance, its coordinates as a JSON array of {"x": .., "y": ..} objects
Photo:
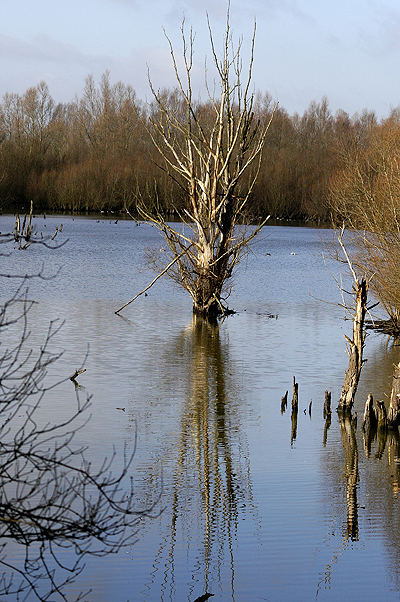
[{"x": 153, "y": 281}]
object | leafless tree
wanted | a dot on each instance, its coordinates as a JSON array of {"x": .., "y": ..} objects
[
  {"x": 355, "y": 305},
  {"x": 213, "y": 153}
]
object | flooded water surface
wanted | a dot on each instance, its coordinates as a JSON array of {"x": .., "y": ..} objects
[{"x": 249, "y": 503}]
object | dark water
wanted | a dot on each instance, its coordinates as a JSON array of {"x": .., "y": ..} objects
[{"x": 253, "y": 508}]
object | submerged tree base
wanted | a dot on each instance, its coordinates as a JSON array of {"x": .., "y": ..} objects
[{"x": 213, "y": 312}]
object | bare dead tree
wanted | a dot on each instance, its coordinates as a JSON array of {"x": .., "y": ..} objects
[
  {"x": 24, "y": 233},
  {"x": 356, "y": 309},
  {"x": 55, "y": 506},
  {"x": 214, "y": 155}
]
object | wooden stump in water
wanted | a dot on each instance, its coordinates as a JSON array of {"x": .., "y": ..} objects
[
  {"x": 369, "y": 425},
  {"x": 370, "y": 419},
  {"x": 327, "y": 404},
  {"x": 355, "y": 349},
  {"x": 295, "y": 400},
  {"x": 295, "y": 409},
  {"x": 393, "y": 418}
]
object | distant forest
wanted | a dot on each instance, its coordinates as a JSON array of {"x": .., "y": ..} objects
[{"x": 96, "y": 154}]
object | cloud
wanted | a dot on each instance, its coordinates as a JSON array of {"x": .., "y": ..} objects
[
  {"x": 65, "y": 67},
  {"x": 40, "y": 48}
]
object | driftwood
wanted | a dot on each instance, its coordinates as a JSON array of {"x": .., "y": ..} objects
[{"x": 393, "y": 418}]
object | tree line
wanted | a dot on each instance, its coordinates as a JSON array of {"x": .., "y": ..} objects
[{"x": 96, "y": 152}]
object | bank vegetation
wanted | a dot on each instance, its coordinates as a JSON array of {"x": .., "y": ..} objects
[{"x": 95, "y": 153}]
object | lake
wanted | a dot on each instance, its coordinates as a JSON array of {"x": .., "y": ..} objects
[{"x": 249, "y": 505}]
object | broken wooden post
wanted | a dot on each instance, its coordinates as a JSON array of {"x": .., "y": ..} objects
[
  {"x": 393, "y": 417},
  {"x": 370, "y": 419},
  {"x": 295, "y": 400},
  {"x": 327, "y": 404},
  {"x": 369, "y": 425},
  {"x": 355, "y": 349},
  {"x": 295, "y": 409}
]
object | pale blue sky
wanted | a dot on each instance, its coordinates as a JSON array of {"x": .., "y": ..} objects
[{"x": 346, "y": 50}]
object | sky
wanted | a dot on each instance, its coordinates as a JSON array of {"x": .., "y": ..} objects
[{"x": 346, "y": 50}]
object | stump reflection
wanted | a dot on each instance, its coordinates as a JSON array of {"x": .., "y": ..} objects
[{"x": 349, "y": 441}]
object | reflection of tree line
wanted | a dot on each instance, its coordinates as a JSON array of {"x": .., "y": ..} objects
[{"x": 205, "y": 465}]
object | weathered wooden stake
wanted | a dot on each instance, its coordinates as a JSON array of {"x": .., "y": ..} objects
[
  {"x": 295, "y": 400},
  {"x": 327, "y": 404}
]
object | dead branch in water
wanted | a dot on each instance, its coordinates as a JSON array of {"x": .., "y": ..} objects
[{"x": 164, "y": 271}]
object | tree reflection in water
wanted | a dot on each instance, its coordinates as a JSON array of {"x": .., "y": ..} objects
[
  {"x": 210, "y": 484},
  {"x": 349, "y": 442},
  {"x": 56, "y": 508}
]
